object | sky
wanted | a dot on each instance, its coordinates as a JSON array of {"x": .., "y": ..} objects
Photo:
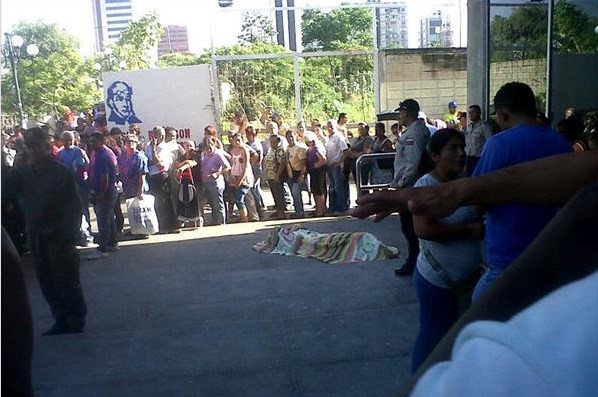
[{"x": 206, "y": 22}]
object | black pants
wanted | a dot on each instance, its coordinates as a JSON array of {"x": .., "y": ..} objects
[
  {"x": 412, "y": 241},
  {"x": 118, "y": 214},
  {"x": 159, "y": 185},
  {"x": 57, "y": 266}
]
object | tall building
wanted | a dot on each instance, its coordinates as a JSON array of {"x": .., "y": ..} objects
[
  {"x": 286, "y": 26},
  {"x": 174, "y": 39},
  {"x": 110, "y": 18},
  {"x": 435, "y": 31},
  {"x": 391, "y": 25}
]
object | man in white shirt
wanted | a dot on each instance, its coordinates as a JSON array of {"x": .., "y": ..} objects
[{"x": 335, "y": 148}]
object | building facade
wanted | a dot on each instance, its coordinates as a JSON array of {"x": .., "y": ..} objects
[
  {"x": 174, "y": 39},
  {"x": 435, "y": 31},
  {"x": 391, "y": 25},
  {"x": 110, "y": 18}
]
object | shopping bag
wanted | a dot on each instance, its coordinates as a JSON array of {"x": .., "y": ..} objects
[{"x": 142, "y": 215}]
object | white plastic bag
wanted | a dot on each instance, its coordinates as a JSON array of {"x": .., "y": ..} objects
[{"x": 142, "y": 215}]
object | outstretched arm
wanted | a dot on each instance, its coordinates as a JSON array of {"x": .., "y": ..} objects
[{"x": 548, "y": 181}]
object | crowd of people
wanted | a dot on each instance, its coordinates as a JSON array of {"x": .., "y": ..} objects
[{"x": 49, "y": 181}]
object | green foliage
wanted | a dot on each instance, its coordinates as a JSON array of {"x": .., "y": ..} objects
[
  {"x": 256, "y": 28},
  {"x": 137, "y": 41},
  {"x": 178, "y": 59},
  {"x": 523, "y": 35},
  {"x": 58, "y": 77},
  {"x": 342, "y": 28}
]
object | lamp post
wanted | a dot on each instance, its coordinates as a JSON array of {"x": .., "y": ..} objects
[{"x": 12, "y": 50}]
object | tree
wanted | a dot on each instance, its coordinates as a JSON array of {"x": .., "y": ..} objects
[
  {"x": 256, "y": 28},
  {"x": 57, "y": 78},
  {"x": 178, "y": 59},
  {"x": 342, "y": 28},
  {"x": 137, "y": 42},
  {"x": 574, "y": 30}
]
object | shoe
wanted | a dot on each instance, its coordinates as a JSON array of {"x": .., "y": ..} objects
[
  {"x": 56, "y": 329},
  {"x": 97, "y": 255},
  {"x": 405, "y": 270},
  {"x": 113, "y": 248}
]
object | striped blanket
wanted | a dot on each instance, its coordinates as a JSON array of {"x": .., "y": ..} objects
[{"x": 328, "y": 247}]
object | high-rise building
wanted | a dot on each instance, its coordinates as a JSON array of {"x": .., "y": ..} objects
[
  {"x": 110, "y": 18},
  {"x": 286, "y": 29},
  {"x": 391, "y": 25},
  {"x": 174, "y": 39},
  {"x": 435, "y": 31}
]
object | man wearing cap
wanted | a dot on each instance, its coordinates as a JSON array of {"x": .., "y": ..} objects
[
  {"x": 410, "y": 146},
  {"x": 451, "y": 118},
  {"x": 476, "y": 135},
  {"x": 45, "y": 187}
]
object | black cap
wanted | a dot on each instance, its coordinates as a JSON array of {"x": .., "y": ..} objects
[{"x": 409, "y": 105}]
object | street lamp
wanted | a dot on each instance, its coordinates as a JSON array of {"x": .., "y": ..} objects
[{"x": 11, "y": 50}]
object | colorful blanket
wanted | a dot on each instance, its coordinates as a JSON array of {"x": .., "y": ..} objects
[{"x": 328, "y": 247}]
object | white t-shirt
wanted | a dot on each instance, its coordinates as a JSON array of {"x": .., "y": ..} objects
[
  {"x": 459, "y": 258},
  {"x": 335, "y": 147},
  {"x": 550, "y": 349}
]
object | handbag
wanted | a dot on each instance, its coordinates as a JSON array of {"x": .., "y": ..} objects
[{"x": 142, "y": 215}]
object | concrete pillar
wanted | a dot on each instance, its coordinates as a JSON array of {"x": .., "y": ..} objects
[{"x": 477, "y": 54}]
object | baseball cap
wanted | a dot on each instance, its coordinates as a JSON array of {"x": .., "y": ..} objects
[
  {"x": 453, "y": 104},
  {"x": 410, "y": 105}
]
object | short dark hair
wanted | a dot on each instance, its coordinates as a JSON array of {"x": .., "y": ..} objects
[
  {"x": 437, "y": 142},
  {"x": 517, "y": 98},
  {"x": 476, "y": 108},
  {"x": 101, "y": 121},
  {"x": 98, "y": 136},
  {"x": 340, "y": 116},
  {"x": 381, "y": 126}
]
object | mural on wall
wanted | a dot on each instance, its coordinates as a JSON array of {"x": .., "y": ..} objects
[{"x": 119, "y": 98}]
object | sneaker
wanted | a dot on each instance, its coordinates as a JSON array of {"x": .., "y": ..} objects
[{"x": 97, "y": 255}]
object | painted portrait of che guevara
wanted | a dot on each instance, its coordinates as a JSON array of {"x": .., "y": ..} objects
[{"x": 120, "y": 103}]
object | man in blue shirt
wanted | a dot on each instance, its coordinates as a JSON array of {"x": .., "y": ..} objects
[
  {"x": 103, "y": 177},
  {"x": 511, "y": 228}
]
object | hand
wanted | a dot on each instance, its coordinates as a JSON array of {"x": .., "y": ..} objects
[
  {"x": 216, "y": 174},
  {"x": 381, "y": 204}
]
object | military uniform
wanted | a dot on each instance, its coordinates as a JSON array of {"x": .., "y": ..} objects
[{"x": 53, "y": 216}]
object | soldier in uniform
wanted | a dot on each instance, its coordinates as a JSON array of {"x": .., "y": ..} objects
[
  {"x": 410, "y": 146},
  {"x": 53, "y": 216}
]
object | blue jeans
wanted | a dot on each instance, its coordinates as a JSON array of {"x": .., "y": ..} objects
[
  {"x": 296, "y": 193},
  {"x": 438, "y": 311},
  {"x": 336, "y": 189},
  {"x": 106, "y": 223},
  {"x": 240, "y": 194},
  {"x": 488, "y": 278},
  {"x": 215, "y": 197}
]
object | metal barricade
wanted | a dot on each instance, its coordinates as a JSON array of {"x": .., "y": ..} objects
[{"x": 358, "y": 164}]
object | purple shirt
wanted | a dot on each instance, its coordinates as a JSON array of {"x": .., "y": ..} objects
[
  {"x": 312, "y": 158},
  {"x": 129, "y": 170},
  {"x": 210, "y": 163},
  {"x": 103, "y": 163}
]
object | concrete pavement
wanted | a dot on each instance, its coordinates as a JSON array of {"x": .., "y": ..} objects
[{"x": 202, "y": 314}]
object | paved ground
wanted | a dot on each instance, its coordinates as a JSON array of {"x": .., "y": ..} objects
[{"x": 202, "y": 314}]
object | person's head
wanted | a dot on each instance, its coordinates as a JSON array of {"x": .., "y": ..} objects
[
  {"x": 250, "y": 134},
  {"x": 98, "y": 140},
  {"x": 408, "y": 112},
  {"x": 570, "y": 112},
  {"x": 274, "y": 141},
  {"x": 189, "y": 146},
  {"x": 60, "y": 126},
  {"x": 446, "y": 150},
  {"x": 131, "y": 143},
  {"x": 115, "y": 133},
  {"x": 452, "y": 107},
  {"x": 210, "y": 130},
  {"x": 38, "y": 144},
  {"x": 380, "y": 130},
  {"x": 239, "y": 118},
  {"x": 236, "y": 139},
  {"x": 363, "y": 129},
  {"x": 463, "y": 119},
  {"x": 301, "y": 128},
  {"x": 315, "y": 124},
  {"x": 68, "y": 139},
  {"x": 394, "y": 129},
  {"x": 514, "y": 103},
  {"x": 271, "y": 128},
  {"x": 277, "y": 118},
  {"x": 170, "y": 134},
  {"x": 571, "y": 128},
  {"x": 100, "y": 122},
  {"x": 475, "y": 113},
  {"x": 311, "y": 139},
  {"x": 331, "y": 126},
  {"x": 81, "y": 123},
  {"x": 210, "y": 144},
  {"x": 291, "y": 137},
  {"x": 119, "y": 99},
  {"x": 134, "y": 129},
  {"x": 158, "y": 133},
  {"x": 342, "y": 118}
]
